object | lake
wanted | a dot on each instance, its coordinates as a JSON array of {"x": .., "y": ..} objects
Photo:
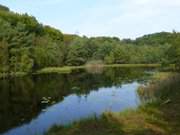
[{"x": 31, "y": 105}]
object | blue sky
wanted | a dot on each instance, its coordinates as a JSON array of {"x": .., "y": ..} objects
[{"x": 121, "y": 18}]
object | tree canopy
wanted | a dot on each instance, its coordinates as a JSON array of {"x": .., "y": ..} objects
[{"x": 27, "y": 45}]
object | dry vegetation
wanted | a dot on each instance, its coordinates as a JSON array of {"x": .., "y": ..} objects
[{"x": 155, "y": 117}]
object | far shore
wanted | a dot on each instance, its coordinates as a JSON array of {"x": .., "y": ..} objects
[{"x": 69, "y": 69}]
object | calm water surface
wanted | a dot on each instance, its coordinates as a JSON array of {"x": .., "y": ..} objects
[{"x": 31, "y": 105}]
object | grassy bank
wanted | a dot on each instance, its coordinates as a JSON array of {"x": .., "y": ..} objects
[
  {"x": 69, "y": 69},
  {"x": 7, "y": 75},
  {"x": 134, "y": 65},
  {"x": 159, "y": 116},
  {"x": 54, "y": 70}
]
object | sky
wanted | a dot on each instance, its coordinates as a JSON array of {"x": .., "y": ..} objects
[{"x": 120, "y": 18}]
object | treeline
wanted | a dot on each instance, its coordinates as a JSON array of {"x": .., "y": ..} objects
[{"x": 26, "y": 46}]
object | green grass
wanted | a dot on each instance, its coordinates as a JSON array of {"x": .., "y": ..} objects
[
  {"x": 91, "y": 126},
  {"x": 134, "y": 65},
  {"x": 154, "y": 117},
  {"x": 68, "y": 69},
  {"x": 54, "y": 70},
  {"x": 17, "y": 74}
]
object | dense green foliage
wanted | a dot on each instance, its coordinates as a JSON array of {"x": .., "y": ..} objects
[{"x": 27, "y": 46}]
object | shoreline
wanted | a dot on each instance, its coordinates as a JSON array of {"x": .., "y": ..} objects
[
  {"x": 152, "y": 117},
  {"x": 69, "y": 69}
]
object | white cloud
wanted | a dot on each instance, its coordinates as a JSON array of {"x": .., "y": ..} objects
[
  {"x": 131, "y": 18},
  {"x": 123, "y": 18}
]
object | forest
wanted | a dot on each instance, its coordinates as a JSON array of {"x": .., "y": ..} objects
[{"x": 27, "y": 46}]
